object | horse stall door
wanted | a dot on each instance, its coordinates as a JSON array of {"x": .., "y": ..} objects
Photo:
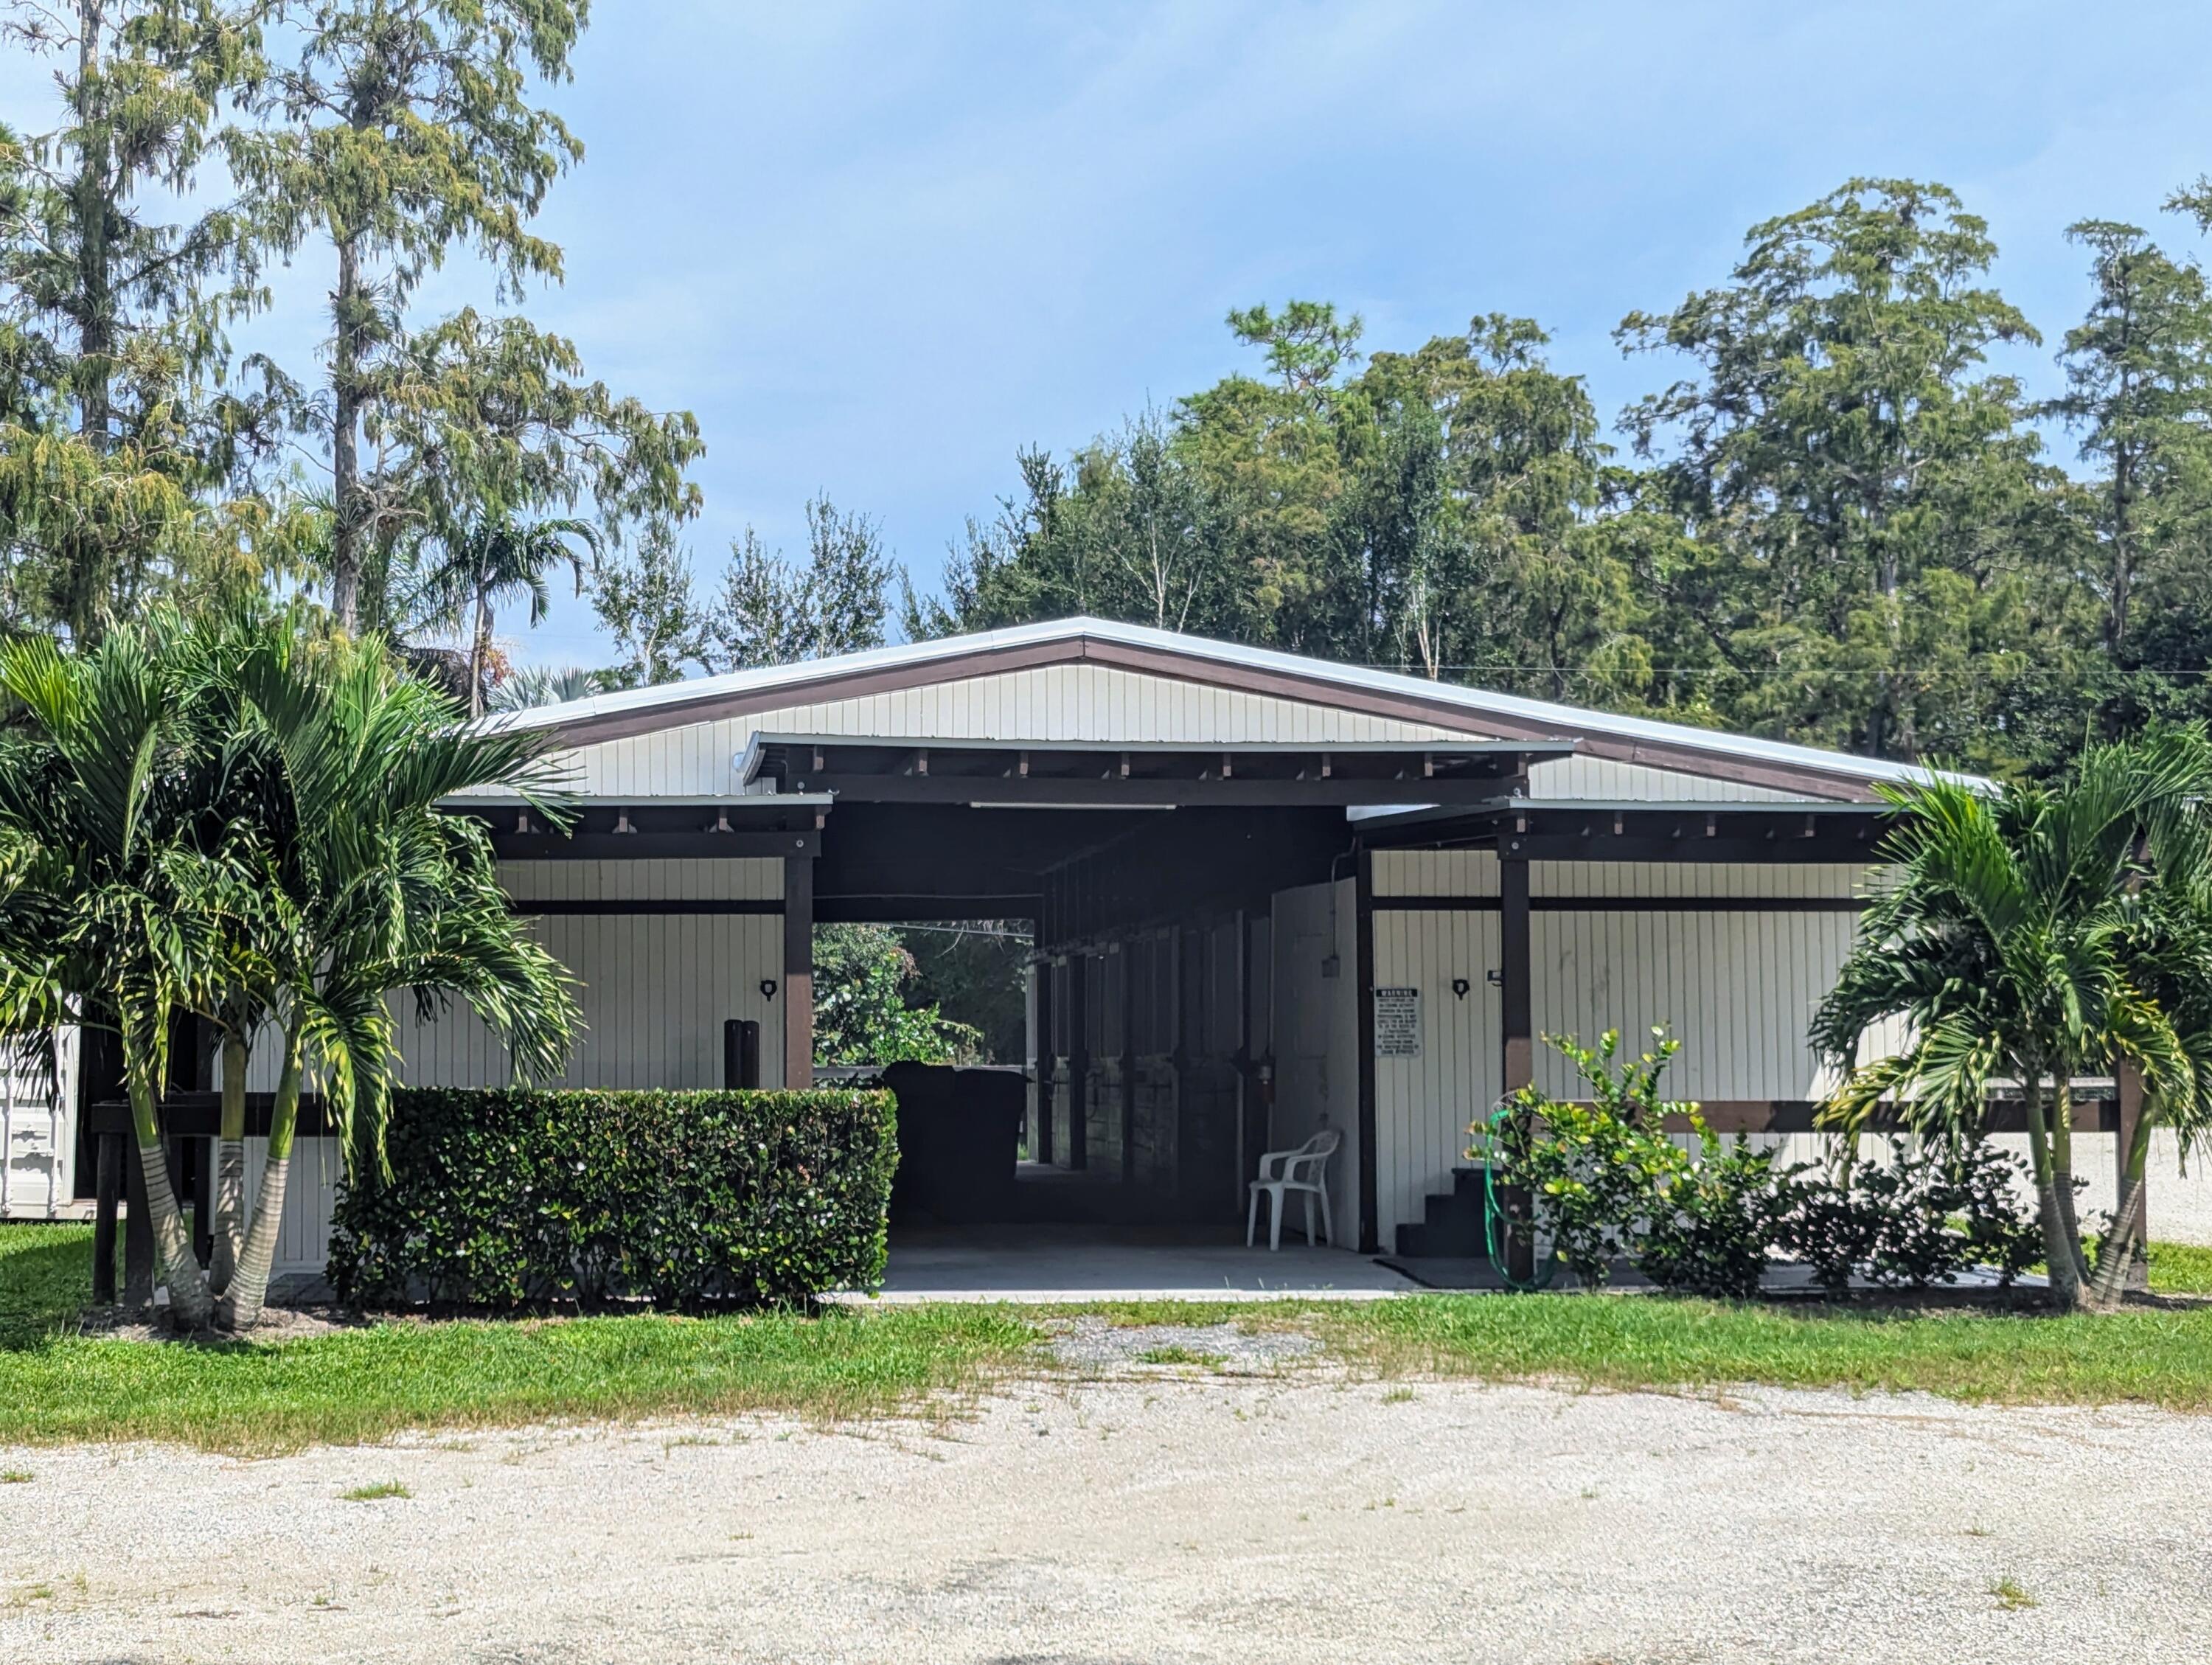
[{"x": 1209, "y": 987}]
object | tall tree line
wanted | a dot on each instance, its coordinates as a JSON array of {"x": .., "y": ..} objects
[
  {"x": 419, "y": 471},
  {"x": 1839, "y": 522}
]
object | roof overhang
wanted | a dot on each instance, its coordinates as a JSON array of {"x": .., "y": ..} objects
[
  {"x": 1081, "y": 775},
  {"x": 1641, "y": 830},
  {"x": 758, "y": 824}
]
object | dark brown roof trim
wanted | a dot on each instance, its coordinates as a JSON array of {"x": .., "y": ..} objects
[{"x": 1316, "y": 688}]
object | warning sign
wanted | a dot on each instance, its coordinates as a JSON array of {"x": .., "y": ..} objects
[{"x": 1397, "y": 1023}]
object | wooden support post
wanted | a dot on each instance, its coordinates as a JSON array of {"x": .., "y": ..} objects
[
  {"x": 2129, "y": 1081},
  {"x": 797, "y": 971},
  {"x": 1516, "y": 1026},
  {"x": 108, "y": 1170},
  {"x": 138, "y": 1230},
  {"x": 1078, "y": 1060},
  {"x": 200, "y": 1152},
  {"x": 1363, "y": 937}
]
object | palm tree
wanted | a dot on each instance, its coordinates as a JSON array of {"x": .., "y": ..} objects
[
  {"x": 2038, "y": 934},
  {"x": 120, "y": 897},
  {"x": 528, "y": 686},
  {"x": 376, "y": 891},
  {"x": 228, "y": 819},
  {"x": 498, "y": 558}
]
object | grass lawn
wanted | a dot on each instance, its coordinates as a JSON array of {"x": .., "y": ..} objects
[{"x": 363, "y": 1384}]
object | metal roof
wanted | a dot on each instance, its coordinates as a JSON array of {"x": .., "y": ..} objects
[{"x": 694, "y": 700}]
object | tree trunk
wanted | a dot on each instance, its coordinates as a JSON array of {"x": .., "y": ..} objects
[
  {"x": 229, "y": 1167},
  {"x": 2117, "y": 1253},
  {"x": 249, "y": 1285},
  {"x": 2062, "y": 1166},
  {"x": 2115, "y": 622},
  {"x": 479, "y": 653},
  {"x": 93, "y": 305},
  {"x": 2057, "y": 1253},
  {"x": 190, "y": 1306},
  {"x": 348, "y": 535}
]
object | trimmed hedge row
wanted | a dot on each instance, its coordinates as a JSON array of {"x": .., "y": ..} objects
[{"x": 509, "y": 1198}]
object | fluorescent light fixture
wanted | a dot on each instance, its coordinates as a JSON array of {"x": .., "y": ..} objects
[{"x": 1115, "y": 808}]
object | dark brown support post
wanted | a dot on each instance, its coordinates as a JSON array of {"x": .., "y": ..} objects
[
  {"x": 109, "y": 1170},
  {"x": 1515, "y": 1025},
  {"x": 138, "y": 1230},
  {"x": 2128, "y": 1079},
  {"x": 797, "y": 971},
  {"x": 200, "y": 1152},
  {"x": 1078, "y": 1059},
  {"x": 1128, "y": 1069},
  {"x": 1363, "y": 893}
]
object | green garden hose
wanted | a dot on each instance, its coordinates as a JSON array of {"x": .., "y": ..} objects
[{"x": 1491, "y": 1213}]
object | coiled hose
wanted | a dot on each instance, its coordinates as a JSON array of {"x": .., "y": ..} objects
[{"x": 1493, "y": 1239}]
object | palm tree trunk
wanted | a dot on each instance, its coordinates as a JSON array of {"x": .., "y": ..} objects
[
  {"x": 479, "y": 653},
  {"x": 249, "y": 1285},
  {"x": 2061, "y": 1165},
  {"x": 229, "y": 1167},
  {"x": 2117, "y": 1253},
  {"x": 2065, "y": 1282},
  {"x": 190, "y": 1306}
]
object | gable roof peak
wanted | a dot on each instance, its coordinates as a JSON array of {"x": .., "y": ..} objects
[{"x": 1148, "y": 649}]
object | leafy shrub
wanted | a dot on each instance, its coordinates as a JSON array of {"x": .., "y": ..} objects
[
  {"x": 1920, "y": 1218},
  {"x": 1605, "y": 1181},
  {"x": 1594, "y": 1172},
  {"x": 509, "y": 1198},
  {"x": 1715, "y": 1217}
]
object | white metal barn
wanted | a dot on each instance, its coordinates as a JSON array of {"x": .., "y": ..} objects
[{"x": 1271, "y": 895}]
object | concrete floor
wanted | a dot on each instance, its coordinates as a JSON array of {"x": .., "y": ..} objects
[{"x": 1050, "y": 1263}]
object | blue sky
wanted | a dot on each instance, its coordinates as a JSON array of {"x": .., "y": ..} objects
[{"x": 877, "y": 247}]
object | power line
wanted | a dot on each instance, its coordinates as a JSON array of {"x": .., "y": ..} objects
[{"x": 1569, "y": 670}]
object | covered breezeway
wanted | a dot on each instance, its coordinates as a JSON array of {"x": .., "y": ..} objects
[{"x": 1270, "y": 898}]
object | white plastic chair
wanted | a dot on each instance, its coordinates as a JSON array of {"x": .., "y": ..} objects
[{"x": 1304, "y": 1169}]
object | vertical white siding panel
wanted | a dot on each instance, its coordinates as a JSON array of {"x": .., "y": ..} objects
[
  {"x": 1738, "y": 990},
  {"x": 1425, "y": 1106},
  {"x": 1047, "y": 702}
]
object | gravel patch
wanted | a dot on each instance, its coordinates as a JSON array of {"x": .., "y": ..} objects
[
  {"x": 1158, "y": 1517},
  {"x": 1092, "y": 1343}
]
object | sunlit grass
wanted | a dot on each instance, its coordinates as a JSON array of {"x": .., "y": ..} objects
[
  {"x": 376, "y": 1491},
  {"x": 365, "y": 1384}
]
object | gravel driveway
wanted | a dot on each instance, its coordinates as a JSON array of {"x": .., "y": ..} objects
[{"x": 1164, "y": 1519}]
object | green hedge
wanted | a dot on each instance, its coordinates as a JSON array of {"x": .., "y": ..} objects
[{"x": 515, "y": 1198}]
